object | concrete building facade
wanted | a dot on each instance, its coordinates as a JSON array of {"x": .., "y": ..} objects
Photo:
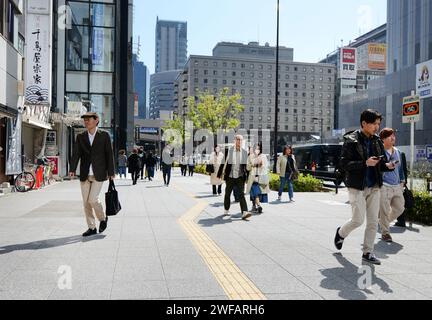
[
  {"x": 306, "y": 90},
  {"x": 409, "y": 38},
  {"x": 12, "y": 36},
  {"x": 162, "y": 93}
]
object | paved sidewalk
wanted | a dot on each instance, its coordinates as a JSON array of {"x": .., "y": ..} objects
[{"x": 286, "y": 253}]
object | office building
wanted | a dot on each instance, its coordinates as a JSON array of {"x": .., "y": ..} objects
[
  {"x": 93, "y": 71},
  {"x": 306, "y": 100},
  {"x": 409, "y": 35},
  {"x": 141, "y": 87},
  {"x": 171, "y": 45}
]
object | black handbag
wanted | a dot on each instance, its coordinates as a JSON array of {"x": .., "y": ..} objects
[
  {"x": 210, "y": 168},
  {"x": 409, "y": 198},
  {"x": 112, "y": 202}
]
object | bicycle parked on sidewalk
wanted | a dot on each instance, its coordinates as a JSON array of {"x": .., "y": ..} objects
[{"x": 34, "y": 176}]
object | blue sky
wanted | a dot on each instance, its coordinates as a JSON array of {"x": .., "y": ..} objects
[{"x": 312, "y": 27}]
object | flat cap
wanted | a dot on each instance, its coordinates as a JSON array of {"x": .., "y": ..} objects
[{"x": 90, "y": 115}]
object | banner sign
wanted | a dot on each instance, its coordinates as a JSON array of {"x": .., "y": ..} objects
[{"x": 38, "y": 53}]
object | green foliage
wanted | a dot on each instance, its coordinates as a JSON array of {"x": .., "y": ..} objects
[
  {"x": 201, "y": 169},
  {"x": 303, "y": 184},
  {"x": 215, "y": 112},
  {"x": 177, "y": 125},
  {"x": 422, "y": 211}
]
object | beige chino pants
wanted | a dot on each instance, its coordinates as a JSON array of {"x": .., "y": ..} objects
[
  {"x": 365, "y": 206},
  {"x": 90, "y": 190},
  {"x": 392, "y": 206}
]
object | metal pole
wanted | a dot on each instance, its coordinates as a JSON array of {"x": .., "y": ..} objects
[
  {"x": 276, "y": 94},
  {"x": 412, "y": 149},
  {"x": 412, "y": 155}
]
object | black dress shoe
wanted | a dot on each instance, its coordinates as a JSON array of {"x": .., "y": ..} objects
[
  {"x": 89, "y": 233},
  {"x": 103, "y": 225}
]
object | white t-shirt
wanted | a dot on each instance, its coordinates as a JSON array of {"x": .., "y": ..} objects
[{"x": 91, "y": 138}]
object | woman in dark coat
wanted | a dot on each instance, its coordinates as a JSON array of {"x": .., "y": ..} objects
[{"x": 134, "y": 165}]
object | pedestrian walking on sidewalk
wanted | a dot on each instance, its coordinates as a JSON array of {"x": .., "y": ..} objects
[
  {"x": 134, "y": 165},
  {"x": 191, "y": 165},
  {"x": 287, "y": 170},
  {"x": 216, "y": 160},
  {"x": 234, "y": 172},
  {"x": 392, "y": 199},
  {"x": 122, "y": 163},
  {"x": 183, "y": 166},
  {"x": 401, "y": 221},
  {"x": 93, "y": 149},
  {"x": 150, "y": 165},
  {"x": 167, "y": 161},
  {"x": 363, "y": 160},
  {"x": 258, "y": 181},
  {"x": 142, "y": 157}
]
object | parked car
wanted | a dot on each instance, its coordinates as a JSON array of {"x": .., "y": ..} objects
[{"x": 320, "y": 161}]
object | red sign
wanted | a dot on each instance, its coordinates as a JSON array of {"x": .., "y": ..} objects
[
  {"x": 349, "y": 55},
  {"x": 55, "y": 164},
  {"x": 411, "y": 109}
]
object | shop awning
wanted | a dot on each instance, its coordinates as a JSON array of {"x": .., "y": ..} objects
[{"x": 37, "y": 124}]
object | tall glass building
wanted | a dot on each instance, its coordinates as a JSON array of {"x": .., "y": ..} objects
[
  {"x": 171, "y": 45},
  {"x": 93, "y": 69}
]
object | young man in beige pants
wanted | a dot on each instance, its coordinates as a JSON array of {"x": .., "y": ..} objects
[
  {"x": 363, "y": 160},
  {"x": 93, "y": 148},
  {"x": 392, "y": 200}
]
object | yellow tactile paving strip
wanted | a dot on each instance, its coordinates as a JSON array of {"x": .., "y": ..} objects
[{"x": 234, "y": 282}]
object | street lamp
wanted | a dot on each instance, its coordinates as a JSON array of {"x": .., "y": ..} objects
[
  {"x": 321, "y": 120},
  {"x": 277, "y": 93}
]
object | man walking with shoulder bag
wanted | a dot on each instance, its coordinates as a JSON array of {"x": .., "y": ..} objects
[{"x": 93, "y": 148}]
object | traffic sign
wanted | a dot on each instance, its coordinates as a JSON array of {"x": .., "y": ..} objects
[{"x": 411, "y": 109}]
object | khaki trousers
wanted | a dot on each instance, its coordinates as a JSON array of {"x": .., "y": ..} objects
[
  {"x": 392, "y": 206},
  {"x": 365, "y": 205},
  {"x": 90, "y": 190}
]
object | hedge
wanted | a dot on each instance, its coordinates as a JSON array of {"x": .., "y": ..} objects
[
  {"x": 305, "y": 183},
  {"x": 422, "y": 211}
]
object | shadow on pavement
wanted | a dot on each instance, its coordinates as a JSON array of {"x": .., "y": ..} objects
[
  {"x": 352, "y": 274},
  {"x": 206, "y": 197},
  {"x": 384, "y": 249},
  {"x": 47, "y": 244},
  {"x": 217, "y": 205},
  {"x": 221, "y": 220}
]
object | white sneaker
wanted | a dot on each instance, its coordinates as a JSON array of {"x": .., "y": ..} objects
[
  {"x": 227, "y": 214},
  {"x": 279, "y": 199},
  {"x": 246, "y": 215}
]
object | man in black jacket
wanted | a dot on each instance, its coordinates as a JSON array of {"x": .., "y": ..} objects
[
  {"x": 234, "y": 173},
  {"x": 363, "y": 160},
  {"x": 94, "y": 149}
]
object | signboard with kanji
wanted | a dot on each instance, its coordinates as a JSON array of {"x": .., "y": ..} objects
[
  {"x": 411, "y": 109},
  {"x": 38, "y": 53}
]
